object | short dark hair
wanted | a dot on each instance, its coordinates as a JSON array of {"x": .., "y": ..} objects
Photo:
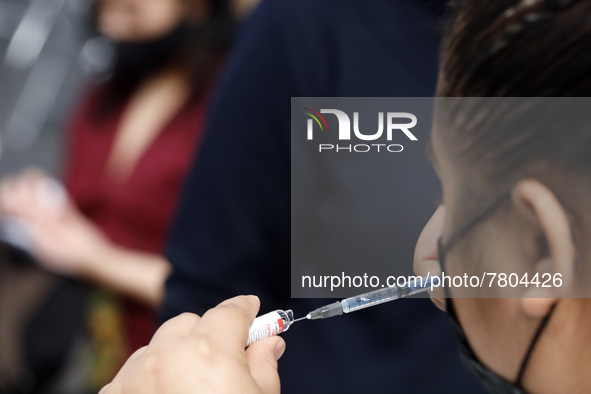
[
  {"x": 511, "y": 48},
  {"x": 519, "y": 48}
]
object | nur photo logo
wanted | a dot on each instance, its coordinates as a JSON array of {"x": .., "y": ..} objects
[{"x": 390, "y": 124}]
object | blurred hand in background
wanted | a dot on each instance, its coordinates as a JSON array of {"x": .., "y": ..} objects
[{"x": 63, "y": 240}]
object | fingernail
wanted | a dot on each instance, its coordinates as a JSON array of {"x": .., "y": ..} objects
[{"x": 279, "y": 349}]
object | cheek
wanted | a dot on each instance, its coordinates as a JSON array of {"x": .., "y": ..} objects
[
  {"x": 115, "y": 19},
  {"x": 156, "y": 17},
  {"x": 136, "y": 20},
  {"x": 494, "y": 258}
]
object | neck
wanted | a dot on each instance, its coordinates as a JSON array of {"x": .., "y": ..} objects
[
  {"x": 560, "y": 362},
  {"x": 170, "y": 81}
]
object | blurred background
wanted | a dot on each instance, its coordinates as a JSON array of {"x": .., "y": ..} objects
[
  {"x": 142, "y": 121},
  {"x": 72, "y": 70},
  {"x": 46, "y": 52}
]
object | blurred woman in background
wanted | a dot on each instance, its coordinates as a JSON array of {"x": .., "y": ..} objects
[{"x": 130, "y": 144}]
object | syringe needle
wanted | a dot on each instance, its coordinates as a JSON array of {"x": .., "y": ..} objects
[{"x": 301, "y": 318}]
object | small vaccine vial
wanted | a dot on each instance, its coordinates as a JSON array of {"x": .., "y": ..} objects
[{"x": 270, "y": 324}]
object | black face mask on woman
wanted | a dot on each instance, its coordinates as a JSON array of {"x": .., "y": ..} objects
[
  {"x": 493, "y": 382},
  {"x": 138, "y": 60}
]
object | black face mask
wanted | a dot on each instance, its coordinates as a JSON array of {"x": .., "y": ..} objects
[
  {"x": 138, "y": 60},
  {"x": 491, "y": 380}
]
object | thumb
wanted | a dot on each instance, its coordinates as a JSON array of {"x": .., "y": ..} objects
[{"x": 262, "y": 359}]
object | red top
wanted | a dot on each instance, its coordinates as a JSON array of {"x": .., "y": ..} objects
[{"x": 136, "y": 212}]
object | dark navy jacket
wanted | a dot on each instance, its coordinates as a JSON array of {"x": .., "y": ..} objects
[{"x": 232, "y": 232}]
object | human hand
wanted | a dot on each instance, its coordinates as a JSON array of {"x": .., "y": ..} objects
[
  {"x": 189, "y": 354},
  {"x": 426, "y": 259},
  {"x": 62, "y": 239}
]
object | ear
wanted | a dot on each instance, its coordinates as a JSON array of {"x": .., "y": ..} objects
[{"x": 539, "y": 204}]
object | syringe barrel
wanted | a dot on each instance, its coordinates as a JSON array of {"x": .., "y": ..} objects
[
  {"x": 381, "y": 296},
  {"x": 369, "y": 299},
  {"x": 270, "y": 324}
]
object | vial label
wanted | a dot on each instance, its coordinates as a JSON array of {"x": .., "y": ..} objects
[{"x": 265, "y": 326}]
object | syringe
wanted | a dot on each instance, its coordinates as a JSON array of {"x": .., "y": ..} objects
[
  {"x": 416, "y": 286},
  {"x": 279, "y": 321}
]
